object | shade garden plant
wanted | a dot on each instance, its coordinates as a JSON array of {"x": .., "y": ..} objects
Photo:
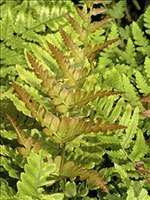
[{"x": 75, "y": 82}]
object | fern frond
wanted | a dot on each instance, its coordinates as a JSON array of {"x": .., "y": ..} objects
[
  {"x": 106, "y": 139},
  {"x": 97, "y": 11},
  {"x": 18, "y": 104},
  {"x": 146, "y": 67},
  {"x": 117, "y": 154},
  {"x": 118, "y": 10},
  {"x": 74, "y": 76},
  {"x": 140, "y": 148},
  {"x": 29, "y": 144},
  {"x": 81, "y": 32},
  {"x": 92, "y": 52},
  {"x": 27, "y": 76},
  {"x": 7, "y": 24},
  {"x": 146, "y": 20},
  {"x": 143, "y": 194},
  {"x": 132, "y": 128},
  {"x": 55, "y": 126},
  {"x": 37, "y": 170},
  {"x": 140, "y": 39},
  {"x": 9, "y": 161},
  {"x": 129, "y": 54},
  {"x": 20, "y": 22},
  {"x": 117, "y": 110},
  {"x": 122, "y": 173},
  {"x": 6, "y": 191},
  {"x": 82, "y": 14},
  {"x": 141, "y": 83},
  {"x": 146, "y": 113},
  {"x": 62, "y": 98},
  {"x": 76, "y": 52},
  {"x": 97, "y": 25},
  {"x": 127, "y": 86},
  {"x": 72, "y": 170}
]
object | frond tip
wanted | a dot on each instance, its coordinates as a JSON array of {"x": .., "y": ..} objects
[{"x": 71, "y": 170}]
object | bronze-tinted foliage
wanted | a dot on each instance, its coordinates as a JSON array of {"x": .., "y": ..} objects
[
  {"x": 28, "y": 143},
  {"x": 65, "y": 99},
  {"x": 139, "y": 166},
  {"x": 62, "y": 129},
  {"x": 71, "y": 170},
  {"x": 146, "y": 101},
  {"x": 63, "y": 123}
]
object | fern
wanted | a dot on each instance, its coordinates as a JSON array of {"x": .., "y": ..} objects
[
  {"x": 129, "y": 53},
  {"x": 132, "y": 127},
  {"x": 140, "y": 148},
  {"x": 146, "y": 66},
  {"x": 6, "y": 191},
  {"x": 7, "y": 25},
  {"x": 141, "y": 83},
  {"x": 146, "y": 20},
  {"x": 120, "y": 8},
  {"x": 75, "y": 103},
  {"x": 132, "y": 194},
  {"x": 30, "y": 185},
  {"x": 139, "y": 38}
]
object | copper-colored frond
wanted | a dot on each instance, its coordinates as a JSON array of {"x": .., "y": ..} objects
[
  {"x": 145, "y": 99},
  {"x": 96, "y": 25},
  {"x": 83, "y": 15},
  {"x": 72, "y": 170},
  {"x": 77, "y": 28},
  {"x": 75, "y": 51},
  {"x": 146, "y": 113},
  {"x": 91, "y": 53}
]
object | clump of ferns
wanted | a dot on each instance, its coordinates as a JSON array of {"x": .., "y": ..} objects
[{"x": 70, "y": 103}]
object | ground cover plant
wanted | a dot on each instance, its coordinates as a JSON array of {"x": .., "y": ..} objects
[{"x": 75, "y": 102}]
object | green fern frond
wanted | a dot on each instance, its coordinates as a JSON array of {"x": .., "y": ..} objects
[
  {"x": 127, "y": 86},
  {"x": 140, "y": 148},
  {"x": 9, "y": 161},
  {"x": 20, "y": 22},
  {"x": 122, "y": 173},
  {"x": 140, "y": 39},
  {"x": 146, "y": 67},
  {"x": 131, "y": 130},
  {"x": 35, "y": 176},
  {"x": 6, "y": 191},
  {"x": 20, "y": 106},
  {"x": 141, "y": 83},
  {"x": 129, "y": 54},
  {"x": 27, "y": 76},
  {"x": 7, "y": 24},
  {"x": 143, "y": 194},
  {"x": 117, "y": 110},
  {"x": 117, "y": 155},
  {"x": 146, "y": 20},
  {"x": 118, "y": 11}
]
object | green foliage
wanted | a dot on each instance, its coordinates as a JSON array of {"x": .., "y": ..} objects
[
  {"x": 36, "y": 172},
  {"x": 75, "y": 103},
  {"x": 24, "y": 23}
]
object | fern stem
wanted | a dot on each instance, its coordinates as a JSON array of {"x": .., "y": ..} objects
[
  {"x": 126, "y": 153},
  {"x": 62, "y": 158}
]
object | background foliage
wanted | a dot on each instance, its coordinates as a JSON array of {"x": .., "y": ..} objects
[{"x": 30, "y": 161}]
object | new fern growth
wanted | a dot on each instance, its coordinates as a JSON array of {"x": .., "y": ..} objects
[{"x": 69, "y": 98}]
